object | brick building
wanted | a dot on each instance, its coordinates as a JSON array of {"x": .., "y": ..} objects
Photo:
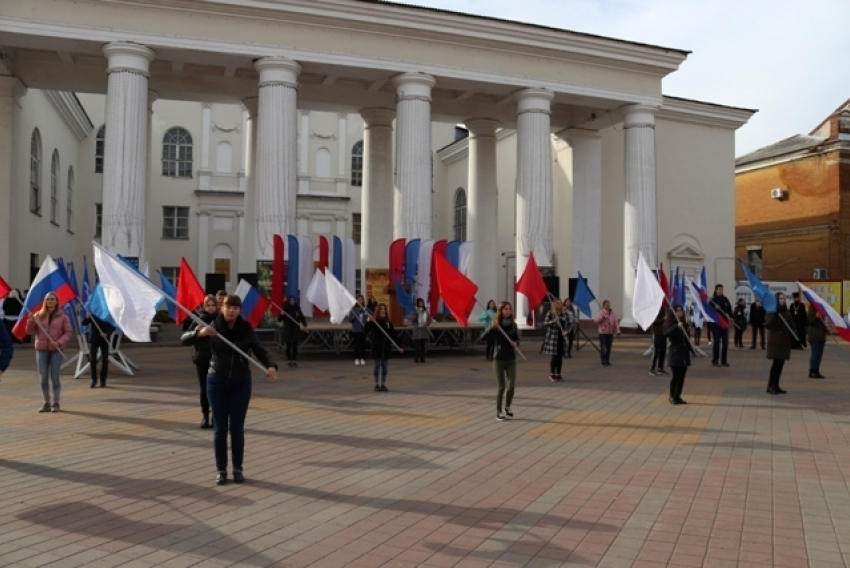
[{"x": 792, "y": 205}]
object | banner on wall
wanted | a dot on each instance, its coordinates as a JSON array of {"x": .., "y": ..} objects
[
  {"x": 846, "y": 295},
  {"x": 829, "y": 291},
  {"x": 743, "y": 290},
  {"x": 377, "y": 285}
]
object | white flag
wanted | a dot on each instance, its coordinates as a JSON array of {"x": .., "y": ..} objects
[
  {"x": 340, "y": 300},
  {"x": 422, "y": 285},
  {"x": 131, "y": 297},
  {"x": 648, "y": 295},
  {"x": 317, "y": 291}
]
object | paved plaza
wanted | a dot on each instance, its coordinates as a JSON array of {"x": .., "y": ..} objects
[{"x": 599, "y": 470}]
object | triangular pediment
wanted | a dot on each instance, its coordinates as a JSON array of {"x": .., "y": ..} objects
[{"x": 686, "y": 251}]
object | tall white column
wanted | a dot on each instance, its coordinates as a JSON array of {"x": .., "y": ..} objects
[
  {"x": 587, "y": 204},
  {"x": 248, "y": 221},
  {"x": 482, "y": 206},
  {"x": 277, "y": 177},
  {"x": 640, "y": 227},
  {"x": 9, "y": 87},
  {"x": 203, "y": 243},
  {"x": 533, "y": 185},
  {"x": 376, "y": 223},
  {"x": 204, "y": 173},
  {"x": 125, "y": 163},
  {"x": 412, "y": 218}
]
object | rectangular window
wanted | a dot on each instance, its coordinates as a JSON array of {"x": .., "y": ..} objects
[
  {"x": 355, "y": 228},
  {"x": 98, "y": 220},
  {"x": 98, "y": 155},
  {"x": 358, "y": 285},
  {"x": 754, "y": 261},
  {"x": 175, "y": 222},
  {"x": 171, "y": 272},
  {"x": 34, "y": 266}
]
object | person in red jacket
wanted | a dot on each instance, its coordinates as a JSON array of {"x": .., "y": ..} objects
[{"x": 52, "y": 331}]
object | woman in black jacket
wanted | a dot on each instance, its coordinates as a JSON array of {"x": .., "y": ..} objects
[
  {"x": 779, "y": 326},
  {"x": 293, "y": 321},
  {"x": 201, "y": 353},
  {"x": 676, "y": 330},
  {"x": 229, "y": 382},
  {"x": 505, "y": 335},
  {"x": 381, "y": 345}
]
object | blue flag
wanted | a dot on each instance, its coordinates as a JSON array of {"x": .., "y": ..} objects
[
  {"x": 768, "y": 299},
  {"x": 85, "y": 292},
  {"x": 403, "y": 297},
  {"x": 703, "y": 279},
  {"x": 97, "y": 306},
  {"x": 583, "y": 296},
  {"x": 169, "y": 289},
  {"x": 336, "y": 269},
  {"x": 681, "y": 297},
  {"x": 411, "y": 260}
]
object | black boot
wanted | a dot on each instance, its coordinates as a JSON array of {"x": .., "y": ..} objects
[{"x": 205, "y": 423}]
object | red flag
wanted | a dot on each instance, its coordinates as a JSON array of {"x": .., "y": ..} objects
[
  {"x": 434, "y": 294},
  {"x": 190, "y": 293},
  {"x": 397, "y": 260},
  {"x": 531, "y": 284},
  {"x": 277, "y": 276},
  {"x": 323, "y": 265},
  {"x": 4, "y": 288},
  {"x": 662, "y": 279},
  {"x": 458, "y": 291}
]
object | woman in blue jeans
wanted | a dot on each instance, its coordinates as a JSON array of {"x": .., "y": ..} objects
[
  {"x": 382, "y": 332},
  {"x": 51, "y": 330},
  {"x": 229, "y": 382}
]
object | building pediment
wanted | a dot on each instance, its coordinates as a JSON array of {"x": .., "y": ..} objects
[{"x": 686, "y": 251}]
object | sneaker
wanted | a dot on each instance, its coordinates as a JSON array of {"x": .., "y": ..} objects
[
  {"x": 552, "y": 378},
  {"x": 45, "y": 407},
  {"x": 55, "y": 407},
  {"x": 384, "y": 388},
  {"x": 558, "y": 377},
  {"x": 362, "y": 361},
  {"x": 500, "y": 417},
  {"x": 356, "y": 362},
  {"x": 289, "y": 363},
  {"x": 238, "y": 476},
  {"x": 508, "y": 413},
  {"x": 377, "y": 387},
  {"x": 652, "y": 372},
  {"x": 221, "y": 478}
]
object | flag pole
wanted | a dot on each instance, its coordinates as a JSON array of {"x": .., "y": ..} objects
[
  {"x": 298, "y": 323},
  {"x": 44, "y": 331},
  {"x": 186, "y": 310},
  {"x": 384, "y": 331},
  {"x": 499, "y": 327}
]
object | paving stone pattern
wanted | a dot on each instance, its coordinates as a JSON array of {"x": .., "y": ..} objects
[{"x": 599, "y": 470}]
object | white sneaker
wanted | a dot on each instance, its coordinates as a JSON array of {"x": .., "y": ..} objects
[
  {"x": 356, "y": 362},
  {"x": 363, "y": 362}
]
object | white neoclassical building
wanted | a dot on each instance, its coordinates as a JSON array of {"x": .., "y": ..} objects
[{"x": 199, "y": 129}]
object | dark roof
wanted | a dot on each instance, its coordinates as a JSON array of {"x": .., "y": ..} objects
[
  {"x": 794, "y": 144},
  {"x": 537, "y": 26}
]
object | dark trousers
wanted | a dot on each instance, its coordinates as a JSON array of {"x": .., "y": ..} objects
[
  {"x": 659, "y": 342},
  {"x": 570, "y": 338},
  {"x": 606, "y": 340},
  {"x": 816, "y": 355},
  {"x": 99, "y": 345},
  {"x": 677, "y": 382},
  {"x": 775, "y": 373},
  {"x": 505, "y": 370},
  {"x": 739, "y": 337},
  {"x": 556, "y": 361},
  {"x": 291, "y": 350},
  {"x": 359, "y": 339},
  {"x": 697, "y": 335},
  {"x": 379, "y": 370},
  {"x": 419, "y": 348},
  {"x": 758, "y": 331},
  {"x": 720, "y": 352},
  {"x": 202, "y": 368},
  {"x": 491, "y": 345},
  {"x": 229, "y": 398}
]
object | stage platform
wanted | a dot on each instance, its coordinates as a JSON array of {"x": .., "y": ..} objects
[{"x": 323, "y": 335}]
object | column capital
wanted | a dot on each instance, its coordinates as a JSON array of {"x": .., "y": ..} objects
[
  {"x": 277, "y": 70},
  {"x": 377, "y": 116},
  {"x": 251, "y": 104},
  {"x": 639, "y": 115},
  {"x": 534, "y": 100},
  {"x": 128, "y": 56},
  {"x": 479, "y": 127},
  {"x": 414, "y": 86}
]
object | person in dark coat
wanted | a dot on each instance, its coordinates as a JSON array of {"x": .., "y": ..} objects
[
  {"x": 801, "y": 321},
  {"x": 293, "y": 322},
  {"x": 357, "y": 317},
  {"x": 229, "y": 382},
  {"x": 12, "y": 307},
  {"x": 504, "y": 359},
  {"x": 739, "y": 316},
  {"x": 676, "y": 330},
  {"x": 757, "y": 315},
  {"x": 99, "y": 333},
  {"x": 817, "y": 341},
  {"x": 201, "y": 353},
  {"x": 721, "y": 336},
  {"x": 7, "y": 349},
  {"x": 779, "y": 326},
  {"x": 659, "y": 342},
  {"x": 420, "y": 319},
  {"x": 555, "y": 341},
  {"x": 381, "y": 330}
]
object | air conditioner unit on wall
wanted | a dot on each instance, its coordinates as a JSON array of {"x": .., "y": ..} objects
[
  {"x": 777, "y": 193},
  {"x": 820, "y": 274}
]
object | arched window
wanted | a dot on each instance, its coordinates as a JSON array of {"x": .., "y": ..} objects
[
  {"x": 99, "y": 143},
  {"x": 357, "y": 164},
  {"x": 71, "y": 182},
  {"x": 460, "y": 215},
  {"x": 54, "y": 188},
  {"x": 35, "y": 172},
  {"x": 177, "y": 153}
]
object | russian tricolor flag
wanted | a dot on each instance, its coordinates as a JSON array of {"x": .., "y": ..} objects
[
  {"x": 48, "y": 279},
  {"x": 254, "y": 304},
  {"x": 826, "y": 311}
]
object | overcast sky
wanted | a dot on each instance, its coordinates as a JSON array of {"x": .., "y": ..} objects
[{"x": 790, "y": 59}]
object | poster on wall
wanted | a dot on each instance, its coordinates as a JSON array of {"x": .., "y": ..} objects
[
  {"x": 743, "y": 290},
  {"x": 377, "y": 285},
  {"x": 846, "y": 296},
  {"x": 829, "y": 291},
  {"x": 264, "y": 285}
]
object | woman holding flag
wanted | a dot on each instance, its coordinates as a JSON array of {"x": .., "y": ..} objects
[
  {"x": 51, "y": 328},
  {"x": 504, "y": 330},
  {"x": 229, "y": 382},
  {"x": 293, "y": 321},
  {"x": 357, "y": 317},
  {"x": 676, "y": 330},
  {"x": 779, "y": 328},
  {"x": 201, "y": 353},
  {"x": 382, "y": 332},
  {"x": 817, "y": 341},
  {"x": 420, "y": 319},
  {"x": 555, "y": 340}
]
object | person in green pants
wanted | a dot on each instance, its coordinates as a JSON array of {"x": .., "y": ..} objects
[{"x": 504, "y": 359}]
